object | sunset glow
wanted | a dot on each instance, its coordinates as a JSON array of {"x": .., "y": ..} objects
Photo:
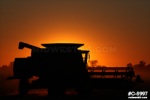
[
  {"x": 116, "y": 33},
  {"x": 74, "y": 49}
]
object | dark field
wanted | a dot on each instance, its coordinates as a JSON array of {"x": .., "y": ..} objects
[
  {"x": 41, "y": 94},
  {"x": 104, "y": 90}
]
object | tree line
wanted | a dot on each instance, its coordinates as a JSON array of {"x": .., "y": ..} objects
[{"x": 141, "y": 64}]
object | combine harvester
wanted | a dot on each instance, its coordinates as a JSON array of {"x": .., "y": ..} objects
[
  {"x": 62, "y": 66},
  {"x": 57, "y": 66}
]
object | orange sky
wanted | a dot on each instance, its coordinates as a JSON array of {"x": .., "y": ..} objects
[{"x": 115, "y": 31}]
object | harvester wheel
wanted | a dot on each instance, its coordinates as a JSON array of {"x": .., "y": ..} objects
[
  {"x": 23, "y": 86},
  {"x": 84, "y": 90},
  {"x": 55, "y": 92}
]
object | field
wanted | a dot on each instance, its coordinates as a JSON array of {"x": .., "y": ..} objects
[{"x": 9, "y": 89}]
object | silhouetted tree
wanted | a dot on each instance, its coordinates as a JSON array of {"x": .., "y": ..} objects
[
  {"x": 4, "y": 66},
  {"x": 148, "y": 66},
  {"x": 129, "y": 65},
  {"x": 11, "y": 64},
  {"x": 93, "y": 63},
  {"x": 142, "y": 64}
]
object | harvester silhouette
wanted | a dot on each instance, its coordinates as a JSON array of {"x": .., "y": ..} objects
[{"x": 61, "y": 66}]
